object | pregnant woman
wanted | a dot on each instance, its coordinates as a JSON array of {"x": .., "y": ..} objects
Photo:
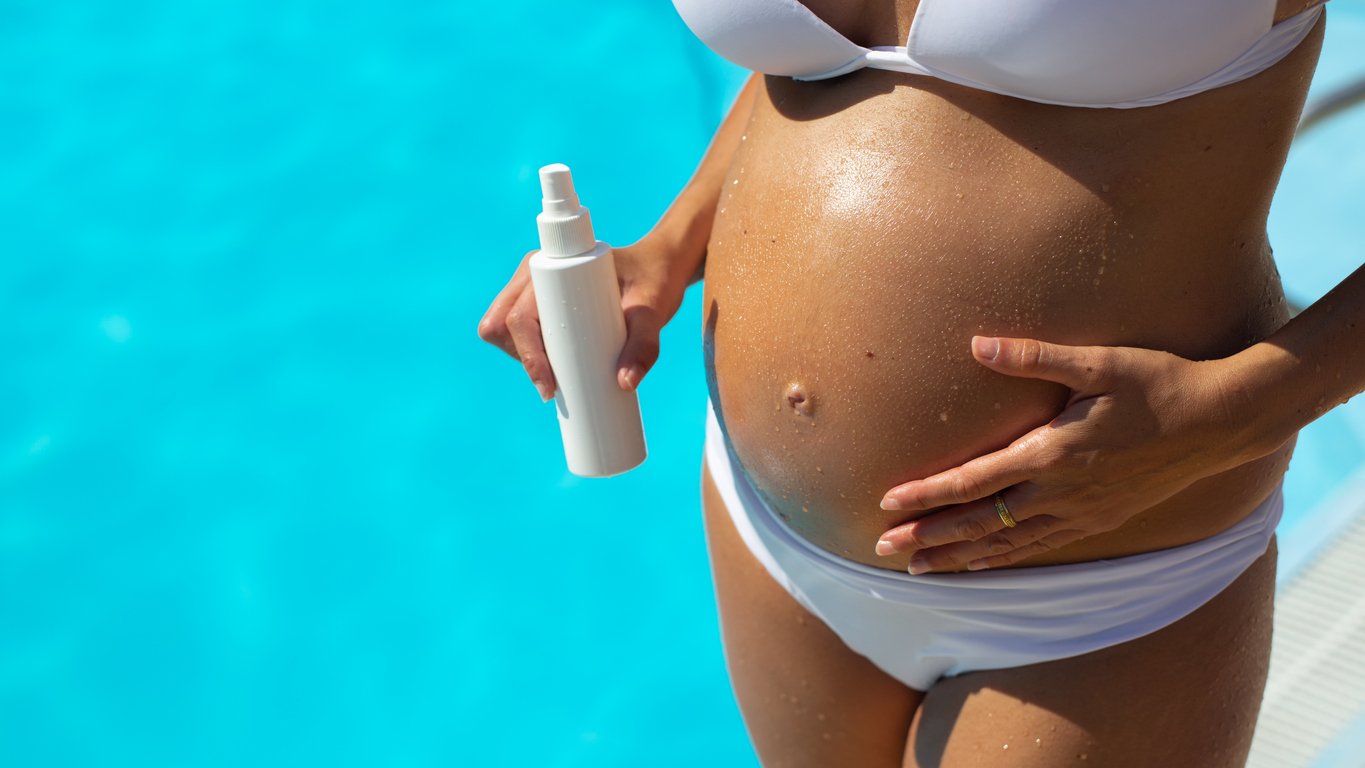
[{"x": 1003, "y": 383}]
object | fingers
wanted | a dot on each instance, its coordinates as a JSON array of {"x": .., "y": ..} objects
[
  {"x": 1087, "y": 370},
  {"x": 974, "y": 536},
  {"x": 641, "y": 349},
  {"x": 976, "y": 479},
  {"x": 523, "y": 324},
  {"x": 1038, "y": 534},
  {"x": 512, "y": 324},
  {"x": 964, "y": 523},
  {"x": 493, "y": 327}
]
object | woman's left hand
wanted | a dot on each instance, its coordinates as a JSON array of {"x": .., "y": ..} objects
[{"x": 1140, "y": 426}]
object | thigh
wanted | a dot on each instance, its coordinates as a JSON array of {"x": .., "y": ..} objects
[
  {"x": 1185, "y": 695},
  {"x": 807, "y": 700}
]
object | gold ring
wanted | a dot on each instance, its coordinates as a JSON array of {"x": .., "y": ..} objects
[{"x": 1004, "y": 512}]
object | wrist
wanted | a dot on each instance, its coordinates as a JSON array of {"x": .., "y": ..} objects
[
  {"x": 1262, "y": 398},
  {"x": 682, "y": 246}
]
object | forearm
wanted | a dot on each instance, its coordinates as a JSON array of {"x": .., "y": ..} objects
[
  {"x": 686, "y": 225},
  {"x": 1306, "y": 368}
]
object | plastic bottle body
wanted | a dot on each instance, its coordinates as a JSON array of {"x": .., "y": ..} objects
[{"x": 584, "y": 330}]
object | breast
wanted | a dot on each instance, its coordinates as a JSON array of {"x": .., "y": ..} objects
[
  {"x": 855, "y": 252},
  {"x": 780, "y": 37},
  {"x": 1085, "y": 51}
]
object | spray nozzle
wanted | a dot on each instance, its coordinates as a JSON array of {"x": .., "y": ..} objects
[
  {"x": 556, "y": 190},
  {"x": 564, "y": 223}
]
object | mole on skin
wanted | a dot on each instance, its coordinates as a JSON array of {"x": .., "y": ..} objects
[{"x": 799, "y": 400}]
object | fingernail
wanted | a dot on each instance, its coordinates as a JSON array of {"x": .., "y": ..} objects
[
  {"x": 632, "y": 376},
  {"x": 545, "y": 392},
  {"x": 918, "y": 565},
  {"x": 986, "y": 347},
  {"x": 885, "y": 548},
  {"x": 976, "y": 565},
  {"x": 890, "y": 504}
]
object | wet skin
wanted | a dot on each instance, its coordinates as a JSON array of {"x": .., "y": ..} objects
[{"x": 871, "y": 224}]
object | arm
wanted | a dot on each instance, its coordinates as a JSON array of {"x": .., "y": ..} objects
[
  {"x": 1140, "y": 426},
  {"x": 1312, "y": 364},
  {"x": 685, "y": 228},
  {"x": 654, "y": 272}
]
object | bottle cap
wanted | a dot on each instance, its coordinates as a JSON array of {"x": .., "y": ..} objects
[{"x": 565, "y": 225}]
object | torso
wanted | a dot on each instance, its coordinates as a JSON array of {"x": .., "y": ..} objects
[{"x": 872, "y": 223}]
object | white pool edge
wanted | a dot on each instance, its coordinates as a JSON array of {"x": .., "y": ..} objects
[{"x": 1300, "y": 543}]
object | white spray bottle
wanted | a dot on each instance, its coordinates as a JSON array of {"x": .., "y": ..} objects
[{"x": 584, "y": 330}]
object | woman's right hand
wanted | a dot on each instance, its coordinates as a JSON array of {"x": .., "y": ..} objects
[{"x": 652, "y": 277}]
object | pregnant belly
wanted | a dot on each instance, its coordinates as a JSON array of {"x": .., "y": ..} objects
[{"x": 841, "y": 298}]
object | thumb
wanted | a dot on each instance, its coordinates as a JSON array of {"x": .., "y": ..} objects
[
  {"x": 641, "y": 349},
  {"x": 1083, "y": 369}
]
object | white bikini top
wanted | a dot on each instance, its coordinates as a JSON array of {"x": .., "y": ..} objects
[{"x": 1077, "y": 53}]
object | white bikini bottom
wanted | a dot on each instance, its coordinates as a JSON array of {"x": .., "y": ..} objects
[{"x": 920, "y": 628}]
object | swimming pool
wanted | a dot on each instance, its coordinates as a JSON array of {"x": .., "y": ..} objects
[
  {"x": 264, "y": 497},
  {"x": 1315, "y": 231}
]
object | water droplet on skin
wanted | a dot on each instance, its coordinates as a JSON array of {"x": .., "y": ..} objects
[{"x": 943, "y": 416}]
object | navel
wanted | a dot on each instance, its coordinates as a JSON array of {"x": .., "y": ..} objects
[{"x": 799, "y": 399}]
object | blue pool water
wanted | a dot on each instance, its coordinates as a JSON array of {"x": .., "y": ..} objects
[
  {"x": 1315, "y": 229},
  {"x": 265, "y": 499}
]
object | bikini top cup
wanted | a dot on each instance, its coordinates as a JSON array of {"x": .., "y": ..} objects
[{"x": 1078, "y": 53}]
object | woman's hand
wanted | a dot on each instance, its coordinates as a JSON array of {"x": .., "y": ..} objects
[
  {"x": 1140, "y": 426},
  {"x": 652, "y": 276}
]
